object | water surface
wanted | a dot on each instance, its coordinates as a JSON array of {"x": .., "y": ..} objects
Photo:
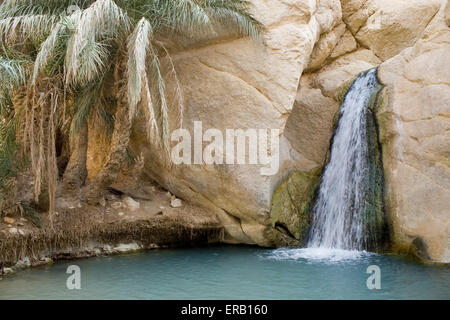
[{"x": 233, "y": 273}]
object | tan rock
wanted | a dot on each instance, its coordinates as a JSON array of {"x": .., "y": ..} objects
[
  {"x": 447, "y": 13},
  {"x": 117, "y": 205},
  {"x": 415, "y": 125},
  {"x": 345, "y": 45},
  {"x": 324, "y": 47},
  {"x": 176, "y": 203},
  {"x": 331, "y": 78},
  {"x": 356, "y": 12},
  {"x": 131, "y": 204},
  {"x": 396, "y": 25},
  {"x": 9, "y": 220},
  {"x": 328, "y": 14},
  {"x": 310, "y": 126}
]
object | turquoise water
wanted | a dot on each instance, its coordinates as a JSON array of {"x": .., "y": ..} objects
[{"x": 233, "y": 273}]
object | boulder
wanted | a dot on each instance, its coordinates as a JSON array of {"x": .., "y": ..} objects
[
  {"x": 176, "y": 203},
  {"x": 131, "y": 204},
  {"x": 310, "y": 125},
  {"x": 346, "y": 44},
  {"x": 332, "y": 77},
  {"x": 9, "y": 220},
  {"x": 396, "y": 25},
  {"x": 117, "y": 205},
  {"x": 324, "y": 47},
  {"x": 414, "y": 119}
]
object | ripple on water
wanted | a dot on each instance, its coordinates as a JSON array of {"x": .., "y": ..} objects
[{"x": 322, "y": 255}]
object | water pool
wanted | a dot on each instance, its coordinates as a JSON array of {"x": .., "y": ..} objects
[{"x": 229, "y": 272}]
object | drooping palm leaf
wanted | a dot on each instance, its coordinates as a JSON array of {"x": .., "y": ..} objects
[
  {"x": 14, "y": 8},
  {"x": 102, "y": 20}
]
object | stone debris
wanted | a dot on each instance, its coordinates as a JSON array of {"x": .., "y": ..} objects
[
  {"x": 117, "y": 205},
  {"x": 176, "y": 203},
  {"x": 123, "y": 248},
  {"x": 8, "y": 220},
  {"x": 131, "y": 204}
]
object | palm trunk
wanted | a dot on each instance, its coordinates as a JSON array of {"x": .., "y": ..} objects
[
  {"x": 117, "y": 153},
  {"x": 76, "y": 171}
]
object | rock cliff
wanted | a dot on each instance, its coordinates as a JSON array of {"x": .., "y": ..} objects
[{"x": 294, "y": 82}]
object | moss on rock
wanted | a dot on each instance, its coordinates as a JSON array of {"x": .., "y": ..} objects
[
  {"x": 376, "y": 222},
  {"x": 291, "y": 204}
]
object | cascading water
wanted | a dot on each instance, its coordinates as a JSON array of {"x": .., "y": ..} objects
[{"x": 346, "y": 214}]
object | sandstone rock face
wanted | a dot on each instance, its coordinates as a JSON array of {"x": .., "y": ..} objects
[
  {"x": 395, "y": 25},
  {"x": 447, "y": 13},
  {"x": 293, "y": 83},
  {"x": 415, "y": 123},
  {"x": 309, "y": 127},
  {"x": 333, "y": 76},
  {"x": 239, "y": 84}
]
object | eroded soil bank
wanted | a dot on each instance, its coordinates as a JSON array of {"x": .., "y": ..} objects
[{"x": 120, "y": 224}]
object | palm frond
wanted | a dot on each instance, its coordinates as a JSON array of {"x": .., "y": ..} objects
[
  {"x": 14, "y": 8},
  {"x": 186, "y": 16},
  {"x": 178, "y": 99},
  {"x": 159, "y": 85},
  {"x": 197, "y": 18},
  {"x": 18, "y": 29},
  {"x": 13, "y": 73},
  {"x": 94, "y": 59},
  {"x": 102, "y": 20},
  {"x": 234, "y": 14},
  {"x": 138, "y": 45},
  {"x": 85, "y": 101},
  {"x": 47, "y": 50},
  {"x": 10, "y": 163}
]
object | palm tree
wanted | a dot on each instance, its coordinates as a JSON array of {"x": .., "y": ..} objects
[{"x": 100, "y": 60}]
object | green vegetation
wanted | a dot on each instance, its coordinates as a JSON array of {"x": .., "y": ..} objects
[{"x": 70, "y": 65}]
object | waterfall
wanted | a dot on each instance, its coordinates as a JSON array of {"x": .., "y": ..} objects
[{"x": 343, "y": 213}]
